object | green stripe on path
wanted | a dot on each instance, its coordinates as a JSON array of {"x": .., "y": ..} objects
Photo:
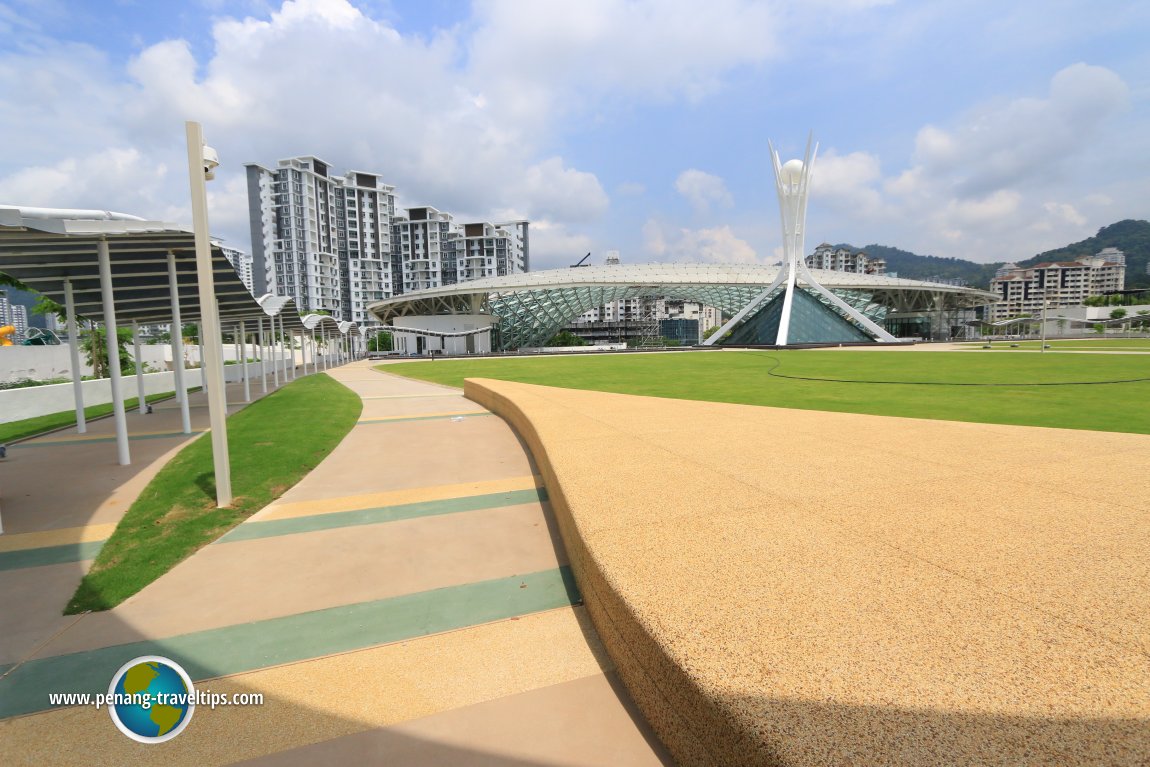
[
  {"x": 272, "y": 642},
  {"x": 422, "y": 418},
  {"x": 253, "y": 529},
  {"x": 93, "y": 440},
  {"x": 49, "y": 555}
]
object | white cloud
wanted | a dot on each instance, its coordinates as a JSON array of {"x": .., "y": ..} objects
[
  {"x": 554, "y": 247},
  {"x": 702, "y": 190},
  {"x": 848, "y": 181},
  {"x": 717, "y": 245},
  {"x": 981, "y": 187},
  {"x": 555, "y": 191}
]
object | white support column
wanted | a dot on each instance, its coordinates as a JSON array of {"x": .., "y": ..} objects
[
  {"x": 223, "y": 377},
  {"x": 142, "y": 395},
  {"x": 303, "y": 348},
  {"x": 109, "y": 300},
  {"x": 244, "y": 362},
  {"x": 263, "y": 356},
  {"x": 314, "y": 351},
  {"x": 74, "y": 353},
  {"x": 200, "y": 351},
  {"x": 178, "y": 345},
  {"x": 275, "y": 355}
]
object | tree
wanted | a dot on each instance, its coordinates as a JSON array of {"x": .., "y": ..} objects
[
  {"x": 565, "y": 338},
  {"x": 1099, "y": 328},
  {"x": 1117, "y": 314},
  {"x": 92, "y": 343},
  {"x": 380, "y": 342},
  {"x": 1144, "y": 322}
]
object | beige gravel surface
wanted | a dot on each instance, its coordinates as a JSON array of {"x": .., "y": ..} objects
[{"x": 807, "y": 588}]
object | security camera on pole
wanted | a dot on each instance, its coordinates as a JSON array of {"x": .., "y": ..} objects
[{"x": 202, "y": 161}]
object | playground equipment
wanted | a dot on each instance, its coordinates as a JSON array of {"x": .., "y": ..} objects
[
  {"x": 40, "y": 337},
  {"x": 32, "y": 337}
]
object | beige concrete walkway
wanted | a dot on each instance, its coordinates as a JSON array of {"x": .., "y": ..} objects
[
  {"x": 788, "y": 587},
  {"x": 404, "y": 604}
]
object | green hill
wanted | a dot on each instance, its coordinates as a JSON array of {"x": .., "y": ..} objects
[
  {"x": 1130, "y": 236},
  {"x": 912, "y": 266}
]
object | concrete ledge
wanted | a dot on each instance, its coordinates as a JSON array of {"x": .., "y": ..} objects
[{"x": 783, "y": 587}]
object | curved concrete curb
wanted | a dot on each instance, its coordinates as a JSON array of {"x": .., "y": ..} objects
[
  {"x": 842, "y": 594},
  {"x": 691, "y": 725}
]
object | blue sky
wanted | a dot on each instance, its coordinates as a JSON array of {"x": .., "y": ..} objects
[{"x": 981, "y": 130}]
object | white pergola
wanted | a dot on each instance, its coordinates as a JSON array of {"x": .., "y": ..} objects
[{"x": 116, "y": 269}]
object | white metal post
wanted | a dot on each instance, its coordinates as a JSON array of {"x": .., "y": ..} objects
[
  {"x": 223, "y": 378},
  {"x": 142, "y": 397},
  {"x": 274, "y": 354},
  {"x": 212, "y": 366},
  {"x": 200, "y": 351},
  {"x": 178, "y": 345},
  {"x": 74, "y": 353},
  {"x": 244, "y": 362},
  {"x": 263, "y": 356},
  {"x": 105, "y": 261}
]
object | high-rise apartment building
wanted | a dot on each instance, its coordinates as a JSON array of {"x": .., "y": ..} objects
[
  {"x": 1025, "y": 290},
  {"x": 13, "y": 314},
  {"x": 324, "y": 240},
  {"x": 827, "y": 256},
  {"x": 336, "y": 244},
  {"x": 242, "y": 263}
]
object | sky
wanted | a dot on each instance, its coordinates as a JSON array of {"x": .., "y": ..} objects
[{"x": 974, "y": 129}]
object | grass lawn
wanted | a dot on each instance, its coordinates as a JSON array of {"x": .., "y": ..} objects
[
  {"x": 273, "y": 443},
  {"x": 1089, "y": 344},
  {"x": 755, "y": 378},
  {"x": 30, "y": 427}
]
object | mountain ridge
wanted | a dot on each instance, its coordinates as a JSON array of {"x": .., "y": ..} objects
[{"x": 1131, "y": 236}]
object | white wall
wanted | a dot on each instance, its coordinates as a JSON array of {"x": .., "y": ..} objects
[
  {"x": 405, "y": 330},
  {"x": 17, "y": 404},
  {"x": 44, "y": 362},
  {"x": 37, "y": 362}
]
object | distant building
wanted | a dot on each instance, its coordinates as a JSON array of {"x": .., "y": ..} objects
[
  {"x": 639, "y": 318},
  {"x": 1025, "y": 290},
  {"x": 336, "y": 243},
  {"x": 830, "y": 258},
  {"x": 242, "y": 263},
  {"x": 322, "y": 239},
  {"x": 15, "y": 315}
]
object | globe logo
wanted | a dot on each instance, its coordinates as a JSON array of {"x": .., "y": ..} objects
[{"x": 152, "y": 699}]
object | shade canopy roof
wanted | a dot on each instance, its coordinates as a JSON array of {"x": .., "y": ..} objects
[{"x": 45, "y": 247}]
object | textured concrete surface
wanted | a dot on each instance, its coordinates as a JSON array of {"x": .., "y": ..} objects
[
  {"x": 421, "y": 552},
  {"x": 806, "y": 588}
]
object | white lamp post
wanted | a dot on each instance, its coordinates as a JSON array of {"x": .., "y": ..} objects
[{"x": 202, "y": 160}]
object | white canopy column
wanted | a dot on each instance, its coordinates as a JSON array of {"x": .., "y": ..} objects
[
  {"x": 74, "y": 354},
  {"x": 109, "y": 306}
]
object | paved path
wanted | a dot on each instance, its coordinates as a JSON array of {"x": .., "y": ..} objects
[{"x": 409, "y": 602}]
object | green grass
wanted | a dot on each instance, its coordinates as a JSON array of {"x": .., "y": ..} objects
[
  {"x": 30, "y": 427},
  {"x": 745, "y": 377},
  {"x": 273, "y": 443},
  {"x": 1101, "y": 344}
]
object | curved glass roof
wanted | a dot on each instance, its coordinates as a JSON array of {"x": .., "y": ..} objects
[{"x": 533, "y": 306}]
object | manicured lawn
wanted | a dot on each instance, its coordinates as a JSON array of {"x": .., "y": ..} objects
[
  {"x": 756, "y": 378},
  {"x": 1100, "y": 344},
  {"x": 30, "y": 427},
  {"x": 273, "y": 443}
]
